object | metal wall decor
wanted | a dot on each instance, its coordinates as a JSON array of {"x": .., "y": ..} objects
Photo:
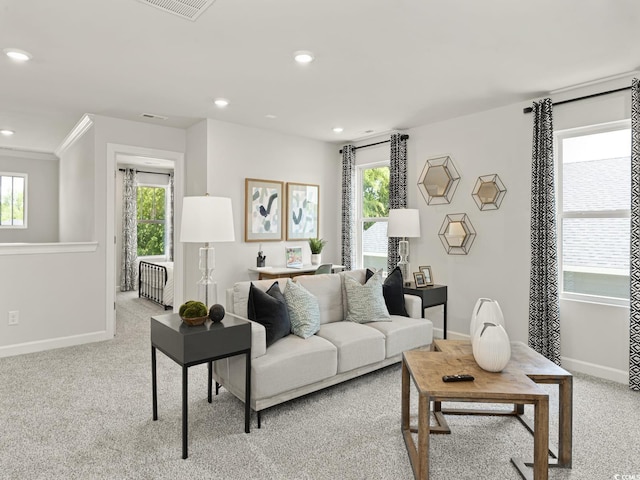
[
  {"x": 438, "y": 180},
  {"x": 457, "y": 234},
  {"x": 488, "y": 192}
]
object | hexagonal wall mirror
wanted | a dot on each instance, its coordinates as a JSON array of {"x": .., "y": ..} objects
[
  {"x": 438, "y": 180},
  {"x": 488, "y": 192},
  {"x": 457, "y": 234}
]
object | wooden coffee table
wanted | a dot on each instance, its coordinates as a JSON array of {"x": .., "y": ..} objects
[{"x": 516, "y": 384}]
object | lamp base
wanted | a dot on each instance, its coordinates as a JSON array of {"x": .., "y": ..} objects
[
  {"x": 403, "y": 264},
  {"x": 207, "y": 289}
]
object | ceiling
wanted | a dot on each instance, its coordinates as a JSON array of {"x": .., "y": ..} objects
[{"x": 379, "y": 65}]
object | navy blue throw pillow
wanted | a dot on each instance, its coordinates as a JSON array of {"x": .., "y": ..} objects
[
  {"x": 269, "y": 309},
  {"x": 393, "y": 292}
]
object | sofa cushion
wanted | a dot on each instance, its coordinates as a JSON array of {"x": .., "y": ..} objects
[
  {"x": 357, "y": 344},
  {"x": 269, "y": 309},
  {"x": 358, "y": 275},
  {"x": 241, "y": 293},
  {"x": 393, "y": 292},
  {"x": 327, "y": 289},
  {"x": 365, "y": 303},
  {"x": 304, "y": 310},
  {"x": 291, "y": 363},
  {"x": 404, "y": 333}
]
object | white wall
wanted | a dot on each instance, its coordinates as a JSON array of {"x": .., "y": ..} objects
[
  {"x": 236, "y": 152},
  {"x": 595, "y": 338},
  {"x": 42, "y": 196}
]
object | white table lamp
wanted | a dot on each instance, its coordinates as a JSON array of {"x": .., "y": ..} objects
[
  {"x": 404, "y": 223},
  {"x": 206, "y": 220}
]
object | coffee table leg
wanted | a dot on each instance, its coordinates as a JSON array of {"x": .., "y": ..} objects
[
  {"x": 185, "y": 412},
  {"x": 154, "y": 383},
  {"x": 541, "y": 440},
  {"x": 247, "y": 394},
  {"x": 565, "y": 414},
  {"x": 423, "y": 437}
]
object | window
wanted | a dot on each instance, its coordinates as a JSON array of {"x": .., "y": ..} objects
[
  {"x": 594, "y": 206},
  {"x": 151, "y": 220},
  {"x": 13, "y": 209},
  {"x": 373, "y": 212}
]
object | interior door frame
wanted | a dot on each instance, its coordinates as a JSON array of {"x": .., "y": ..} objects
[{"x": 114, "y": 151}]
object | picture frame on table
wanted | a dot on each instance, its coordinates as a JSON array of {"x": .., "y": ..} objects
[
  {"x": 419, "y": 279},
  {"x": 293, "y": 257},
  {"x": 263, "y": 207},
  {"x": 303, "y": 211},
  {"x": 428, "y": 275}
]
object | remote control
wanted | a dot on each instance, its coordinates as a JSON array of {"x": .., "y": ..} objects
[{"x": 457, "y": 378}]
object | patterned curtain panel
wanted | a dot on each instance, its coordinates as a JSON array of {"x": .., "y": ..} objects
[
  {"x": 397, "y": 189},
  {"x": 634, "y": 303},
  {"x": 129, "y": 270},
  {"x": 544, "y": 309},
  {"x": 348, "y": 205},
  {"x": 169, "y": 228}
]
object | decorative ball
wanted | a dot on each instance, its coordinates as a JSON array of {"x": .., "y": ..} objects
[{"x": 216, "y": 313}]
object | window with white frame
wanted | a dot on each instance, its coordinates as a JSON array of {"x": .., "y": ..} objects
[
  {"x": 13, "y": 205},
  {"x": 373, "y": 212},
  {"x": 594, "y": 211},
  {"x": 151, "y": 216}
]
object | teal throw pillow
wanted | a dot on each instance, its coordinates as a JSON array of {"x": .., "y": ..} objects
[
  {"x": 365, "y": 303},
  {"x": 304, "y": 310}
]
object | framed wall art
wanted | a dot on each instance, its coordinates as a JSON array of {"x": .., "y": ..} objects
[
  {"x": 263, "y": 201},
  {"x": 303, "y": 210}
]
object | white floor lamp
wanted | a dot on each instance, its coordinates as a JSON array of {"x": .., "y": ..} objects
[
  {"x": 404, "y": 223},
  {"x": 207, "y": 220}
]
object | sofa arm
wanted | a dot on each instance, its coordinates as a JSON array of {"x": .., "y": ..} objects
[
  {"x": 258, "y": 338},
  {"x": 413, "y": 304}
]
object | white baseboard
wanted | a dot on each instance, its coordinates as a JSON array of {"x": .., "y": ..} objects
[
  {"x": 51, "y": 343},
  {"x": 600, "y": 371}
]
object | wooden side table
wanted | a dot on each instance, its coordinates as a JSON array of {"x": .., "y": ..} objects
[
  {"x": 188, "y": 346},
  {"x": 431, "y": 296}
]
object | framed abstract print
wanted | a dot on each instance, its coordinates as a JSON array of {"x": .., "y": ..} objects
[
  {"x": 263, "y": 201},
  {"x": 303, "y": 210}
]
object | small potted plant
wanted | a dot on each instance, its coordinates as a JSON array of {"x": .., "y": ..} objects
[
  {"x": 316, "y": 245},
  {"x": 193, "y": 313}
]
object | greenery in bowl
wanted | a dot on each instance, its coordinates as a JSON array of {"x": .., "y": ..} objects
[
  {"x": 193, "y": 309},
  {"x": 316, "y": 245}
]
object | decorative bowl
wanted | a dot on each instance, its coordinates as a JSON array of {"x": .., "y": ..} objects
[{"x": 192, "y": 322}]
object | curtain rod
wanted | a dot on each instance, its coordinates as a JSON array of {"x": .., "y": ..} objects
[
  {"x": 142, "y": 171},
  {"x": 402, "y": 137},
  {"x": 530, "y": 109}
]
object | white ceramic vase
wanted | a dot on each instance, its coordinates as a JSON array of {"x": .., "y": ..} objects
[
  {"x": 491, "y": 347},
  {"x": 485, "y": 310},
  {"x": 316, "y": 258}
]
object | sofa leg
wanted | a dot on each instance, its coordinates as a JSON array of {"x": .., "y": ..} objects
[{"x": 259, "y": 419}]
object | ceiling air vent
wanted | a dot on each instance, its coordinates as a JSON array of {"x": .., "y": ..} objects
[
  {"x": 153, "y": 115},
  {"x": 189, "y": 9}
]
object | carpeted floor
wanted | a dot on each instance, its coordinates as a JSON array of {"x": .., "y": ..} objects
[{"x": 85, "y": 413}]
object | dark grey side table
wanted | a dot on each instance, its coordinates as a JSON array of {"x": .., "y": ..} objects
[
  {"x": 188, "y": 346},
  {"x": 431, "y": 296}
]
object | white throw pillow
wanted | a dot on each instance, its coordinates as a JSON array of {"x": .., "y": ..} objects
[
  {"x": 365, "y": 303},
  {"x": 304, "y": 310}
]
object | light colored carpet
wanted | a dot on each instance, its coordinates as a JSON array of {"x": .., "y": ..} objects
[{"x": 85, "y": 413}]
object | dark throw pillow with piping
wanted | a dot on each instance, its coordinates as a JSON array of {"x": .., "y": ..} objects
[
  {"x": 393, "y": 292},
  {"x": 269, "y": 309}
]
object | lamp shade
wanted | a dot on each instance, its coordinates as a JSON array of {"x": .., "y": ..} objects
[
  {"x": 206, "y": 219},
  {"x": 404, "y": 222}
]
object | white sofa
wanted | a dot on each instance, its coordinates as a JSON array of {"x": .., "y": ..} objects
[{"x": 339, "y": 351}]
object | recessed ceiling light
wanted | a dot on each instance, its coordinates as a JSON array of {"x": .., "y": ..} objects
[
  {"x": 6, "y": 132},
  {"x": 221, "y": 102},
  {"x": 17, "y": 54},
  {"x": 338, "y": 129},
  {"x": 270, "y": 115},
  {"x": 303, "y": 56}
]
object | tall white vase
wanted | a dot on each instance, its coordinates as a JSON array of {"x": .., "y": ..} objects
[
  {"x": 485, "y": 310},
  {"x": 491, "y": 347}
]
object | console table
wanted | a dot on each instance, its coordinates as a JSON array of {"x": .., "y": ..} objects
[
  {"x": 265, "y": 273},
  {"x": 431, "y": 296},
  {"x": 188, "y": 346}
]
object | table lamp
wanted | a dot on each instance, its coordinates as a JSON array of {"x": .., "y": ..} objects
[
  {"x": 207, "y": 220},
  {"x": 404, "y": 223}
]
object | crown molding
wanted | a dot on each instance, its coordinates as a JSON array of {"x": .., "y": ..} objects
[
  {"x": 30, "y": 154},
  {"x": 85, "y": 123}
]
